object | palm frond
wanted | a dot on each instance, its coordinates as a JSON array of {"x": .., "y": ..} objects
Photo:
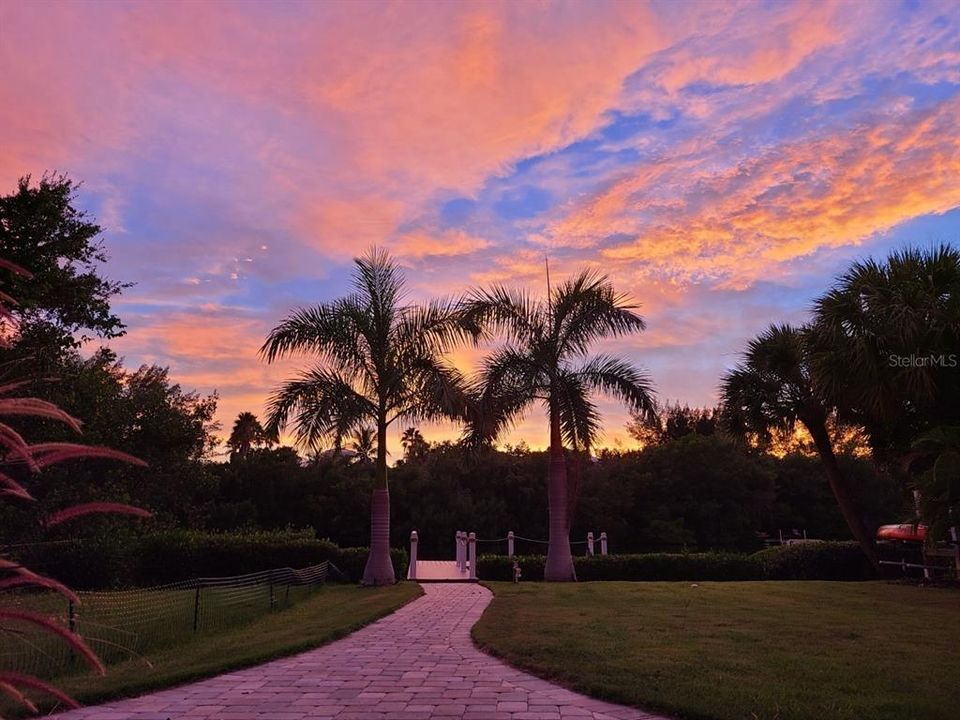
[
  {"x": 503, "y": 311},
  {"x": 321, "y": 403},
  {"x": 508, "y": 383},
  {"x": 337, "y": 332},
  {"x": 587, "y": 308},
  {"x": 579, "y": 417},
  {"x": 619, "y": 379}
]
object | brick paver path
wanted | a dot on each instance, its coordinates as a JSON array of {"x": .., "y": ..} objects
[{"x": 416, "y": 664}]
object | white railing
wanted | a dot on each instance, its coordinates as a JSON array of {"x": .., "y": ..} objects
[{"x": 465, "y": 549}]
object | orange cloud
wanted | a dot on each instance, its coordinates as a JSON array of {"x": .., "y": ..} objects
[{"x": 738, "y": 224}]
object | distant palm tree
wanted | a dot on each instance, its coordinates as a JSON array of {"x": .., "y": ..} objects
[
  {"x": 545, "y": 359},
  {"x": 414, "y": 445},
  {"x": 378, "y": 361},
  {"x": 246, "y": 433},
  {"x": 364, "y": 445},
  {"x": 773, "y": 389}
]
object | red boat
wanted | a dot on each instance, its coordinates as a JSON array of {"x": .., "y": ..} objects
[{"x": 907, "y": 532}]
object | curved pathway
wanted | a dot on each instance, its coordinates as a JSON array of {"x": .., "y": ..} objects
[{"x": 415, "y": 664}]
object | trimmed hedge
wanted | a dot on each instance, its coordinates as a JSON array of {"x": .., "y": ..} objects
[
  {"x": 815, "y": 561},
  {"x": 806, "y": 561},
  {"x": 170, "y": 556}
]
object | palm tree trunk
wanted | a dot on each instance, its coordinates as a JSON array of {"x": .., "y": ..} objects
[
  {"x": 574, "y": 483},
  {"x": 559, "y": 567},
  {"x": 841, "y": 491},
  {"x": 379, "y": 568}
]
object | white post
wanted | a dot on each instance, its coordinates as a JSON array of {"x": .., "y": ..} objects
[
  {"x": 589, "y": 543},
  {"x": 459, "y": 551},
  {"x": 473, "y": 556},
  {"x": 463, "y": 549},
  {"x": 510, "y": 544},
  {"x": 412, "y": 572},
  {"x": 603, "y": 543}
]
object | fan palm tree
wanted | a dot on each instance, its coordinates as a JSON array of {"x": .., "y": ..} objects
[
  {"x": 885, "y": 343},
  {"x": 246, "y": 433},
  {"x": 377, "y": 361},
  {"x": 545, "y": 359},
  {"x": 773, "y": 389}
]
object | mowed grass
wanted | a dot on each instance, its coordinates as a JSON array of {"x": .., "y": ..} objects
[
  {"x": 330, "y": 613},
  {"x": 739, "y": 650}
]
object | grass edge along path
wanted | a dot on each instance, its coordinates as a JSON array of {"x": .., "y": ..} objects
[
  {"x": 332, "y": 613},
  {"x": 737, "y": 651}
]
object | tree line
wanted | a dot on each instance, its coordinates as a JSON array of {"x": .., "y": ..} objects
[{"x": 705, "y": 480}]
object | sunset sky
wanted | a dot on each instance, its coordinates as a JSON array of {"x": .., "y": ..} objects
[{"x": 721, "y": 161}]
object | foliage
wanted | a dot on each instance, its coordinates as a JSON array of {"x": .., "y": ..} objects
[
  {"x": 247, "y": 433},
  {"x": 41, "y": 228},
  {"x": 142, "y": 413},
  {"x": 885, "y": 346},
  {"x": 698, "y": 493},
  {"x": 414, "y": 446},
  {"x": 173, "y": 555},
  {"x": 21, "y": 459},
  {"x": 801, "y": 561},
  {"x": 774, "y": 389},
  {"x": 672, "y": 422},
  {"x": 814, "y": 561},
  {"x": 939, "y": 481}
]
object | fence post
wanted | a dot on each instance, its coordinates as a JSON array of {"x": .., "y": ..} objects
[
  {"x": 457, "y": 547},
  {"x": 196, "y": 608},
  {"x": 412, "y": 572},
  {"x": 589, "y": 543},
  {"x": 463, "y": 549},
  {"x": 510, "y": 544},
  {"x": 603, "y": 543},
  {"x": 473, "y": 556}
]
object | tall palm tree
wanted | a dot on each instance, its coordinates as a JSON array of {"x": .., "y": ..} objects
[
  {"x": 377, "y": 361},
  {"x": 246, "y": 433},
  {"x": 773, "y": 389},
  {"x": 545, "y": 358}
]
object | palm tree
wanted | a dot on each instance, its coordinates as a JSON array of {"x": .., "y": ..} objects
[
  {"x": 377, "y": 361},
  {"x": 773, "y": 389},
  {"x": 414, "y": 445},
  {"x": 246, "y": 433},
  {"x": 364, "y": 445},
  {"x": 884, "y": 346},
  {"x": 545, "y": 359}
]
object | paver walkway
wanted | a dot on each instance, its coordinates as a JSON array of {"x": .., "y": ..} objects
[{"x": 416, "y": 664}]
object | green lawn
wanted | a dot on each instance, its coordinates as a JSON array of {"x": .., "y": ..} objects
[
  {"x": 739, "y": 650},
  {"x": 328, "y": 614}
]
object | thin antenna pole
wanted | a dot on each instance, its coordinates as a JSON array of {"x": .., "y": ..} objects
[{"x": 546, "y": 262}]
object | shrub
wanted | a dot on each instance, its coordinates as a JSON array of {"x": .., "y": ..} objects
[
  {"x": 351, "y": 561},
  {"x": 806, "y": 561},
  {"x": 815, "y": 561},
  {"x": 173, "y": 555}
]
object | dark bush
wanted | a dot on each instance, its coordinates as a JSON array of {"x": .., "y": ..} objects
[
  {"x": 806, "y": 561},
  {"x": 170, "y": 556},
  {"x": 351, "y": 561},
  {"x": 815, "y": 561}
]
